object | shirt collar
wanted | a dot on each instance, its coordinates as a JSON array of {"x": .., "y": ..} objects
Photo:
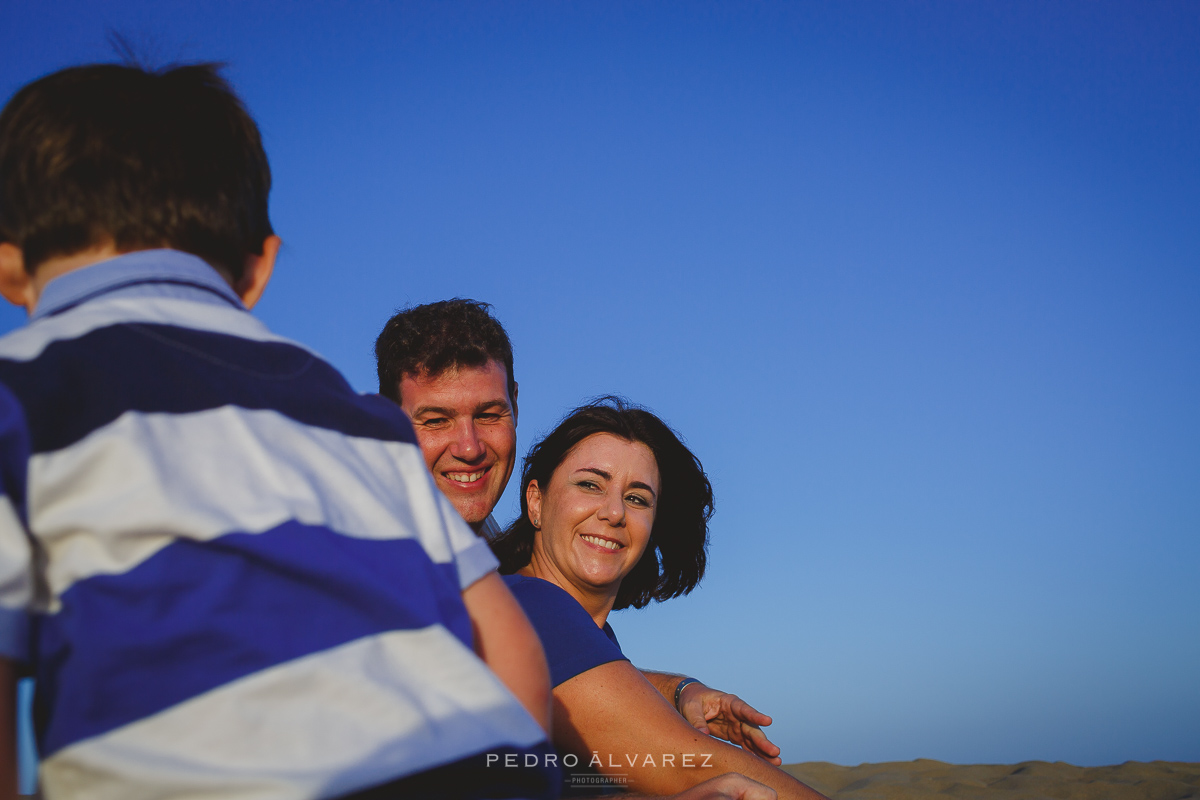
[
  {"x": 180, "y": 274},
  {"x": 490, "y": 529}
]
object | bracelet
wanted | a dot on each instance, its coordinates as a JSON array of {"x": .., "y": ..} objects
[{"x": 679, "y": 690}]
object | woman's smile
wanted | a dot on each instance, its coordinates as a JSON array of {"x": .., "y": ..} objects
[
  {"x": 594, "y": 517},
  {"x": 607, "y": 544}
]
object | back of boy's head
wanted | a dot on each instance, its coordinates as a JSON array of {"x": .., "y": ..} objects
[{"x": 139, "y": 158}]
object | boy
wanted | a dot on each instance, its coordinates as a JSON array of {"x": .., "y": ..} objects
[{"x": 230, "y": 574}]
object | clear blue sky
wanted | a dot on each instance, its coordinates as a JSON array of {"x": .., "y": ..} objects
[{"x": 919, "y": 282}]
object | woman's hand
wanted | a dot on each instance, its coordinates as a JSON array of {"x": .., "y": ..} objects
[
  {"x": 730, "y": 786},
  {"x": 728, "y": 717}
]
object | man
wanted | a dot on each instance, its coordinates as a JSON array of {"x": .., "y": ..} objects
[{"x": 449, "y": 365}]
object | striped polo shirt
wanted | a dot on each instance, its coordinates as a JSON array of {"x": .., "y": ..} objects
[{"x": 230, "y": 574}]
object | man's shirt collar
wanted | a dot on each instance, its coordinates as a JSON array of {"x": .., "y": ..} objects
[
  {"x": 490, "y": 529},
  {"x": 144, "y": 273}
]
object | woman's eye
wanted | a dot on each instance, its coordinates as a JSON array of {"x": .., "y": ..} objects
[
  {"x": 637, "y": 500},
  {"x": 586, "y": 484}
]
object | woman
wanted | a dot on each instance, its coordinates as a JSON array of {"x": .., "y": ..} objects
[{"x": 615, "y": 514}]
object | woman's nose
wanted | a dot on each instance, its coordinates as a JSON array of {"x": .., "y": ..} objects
[{"x": 612, "y": 510}]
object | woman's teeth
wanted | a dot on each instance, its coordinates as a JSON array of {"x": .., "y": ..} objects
[{"x": 611, "y": 545}]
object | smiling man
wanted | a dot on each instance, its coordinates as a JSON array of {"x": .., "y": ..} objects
[
  {"x": 449, "y": 365},
  {"x": 467, "y": 423}
]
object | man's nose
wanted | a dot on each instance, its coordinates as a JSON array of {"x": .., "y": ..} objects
[{"x": 466, "y": 445}]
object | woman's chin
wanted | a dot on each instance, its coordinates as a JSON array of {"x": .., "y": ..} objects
[{"x": 602, "y": 578}]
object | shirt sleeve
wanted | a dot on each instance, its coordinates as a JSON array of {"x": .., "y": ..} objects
[
  {"x": 472, "y": 555},
  {"x": 16, "y": 584},
  {"x": 572, "y": 640}
]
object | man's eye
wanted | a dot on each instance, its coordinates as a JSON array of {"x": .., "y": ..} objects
[
  {"x": 487, "y": 417},
  {"x": 434, "y": 422}
]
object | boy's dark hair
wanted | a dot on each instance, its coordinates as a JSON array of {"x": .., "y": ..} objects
[
  {"x": 430, "y": 339},
  {"x": 674, "y": 561},
  {"x": 146, "y": 158}
]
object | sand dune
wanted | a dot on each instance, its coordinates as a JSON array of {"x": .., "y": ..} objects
[{"x": 1032, "y": 780}]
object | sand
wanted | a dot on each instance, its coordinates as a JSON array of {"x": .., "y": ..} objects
[{"x": 1032, "y": 780}]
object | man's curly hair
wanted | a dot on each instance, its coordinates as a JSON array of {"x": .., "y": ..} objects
[{"x": 430, "y": 339}]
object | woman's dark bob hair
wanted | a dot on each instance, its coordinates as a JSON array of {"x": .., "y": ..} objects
[{"x": 674, "y": 561}]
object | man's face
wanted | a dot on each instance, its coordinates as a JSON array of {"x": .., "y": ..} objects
[{"x": 467, "y": 428}]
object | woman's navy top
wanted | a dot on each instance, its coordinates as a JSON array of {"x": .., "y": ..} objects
[{"x": 570, "y": 637}]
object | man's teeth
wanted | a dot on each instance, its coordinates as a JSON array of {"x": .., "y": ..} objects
[
  {"x": 611, "y": 545},
  {"x": 464, "y": 477}
]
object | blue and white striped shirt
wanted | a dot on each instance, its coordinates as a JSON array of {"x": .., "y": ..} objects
[{"x": 231, "y": 574}]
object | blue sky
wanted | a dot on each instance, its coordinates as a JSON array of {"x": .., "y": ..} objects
[{"x": 918, "y": 281}]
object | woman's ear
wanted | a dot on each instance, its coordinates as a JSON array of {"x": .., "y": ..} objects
[{"x": 533, "y": 498}]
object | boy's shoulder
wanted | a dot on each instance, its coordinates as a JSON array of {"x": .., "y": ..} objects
[
  {"x": 30, "y": 341},
  {"x": 155, "y": 287},
  {"x": 158, "y": 332}
]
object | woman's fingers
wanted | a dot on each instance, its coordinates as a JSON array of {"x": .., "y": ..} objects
[
  {"x": 753, "y": 739},
  {"x": 730, "y": 786},
  {"x": 742, "y": 710},
  {"x": 728, "y": 717}
]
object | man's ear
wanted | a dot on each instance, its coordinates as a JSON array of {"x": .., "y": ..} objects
[
  {"x": 15, "y": 283},
  {"x": 257, "y": 272},
  {"x": 514, "y": 402},
  {"x": 533, "y": 498}
]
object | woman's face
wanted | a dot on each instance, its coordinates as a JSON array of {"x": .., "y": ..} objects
[{"x": 594, "y": 517}]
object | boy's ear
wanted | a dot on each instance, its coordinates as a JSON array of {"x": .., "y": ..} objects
[
  {"x": 258, "y": 272},
  {"x": 15, "y": 283}
]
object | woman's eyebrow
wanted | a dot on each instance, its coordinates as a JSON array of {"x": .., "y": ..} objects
[
  {"x": 640, "y": 485},
  {"x": 596, "y": 471},
  {"x": 608, "y": 477}
]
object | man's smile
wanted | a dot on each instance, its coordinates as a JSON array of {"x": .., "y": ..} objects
[{"x": 467, "y": 480}]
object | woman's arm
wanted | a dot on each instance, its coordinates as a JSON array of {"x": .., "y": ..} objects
[{"x": 612, "y": 714}]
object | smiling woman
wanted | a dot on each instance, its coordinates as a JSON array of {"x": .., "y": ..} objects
[
  {"x": 599, "y": 508},
  {"x": 615, "y": 514}
]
